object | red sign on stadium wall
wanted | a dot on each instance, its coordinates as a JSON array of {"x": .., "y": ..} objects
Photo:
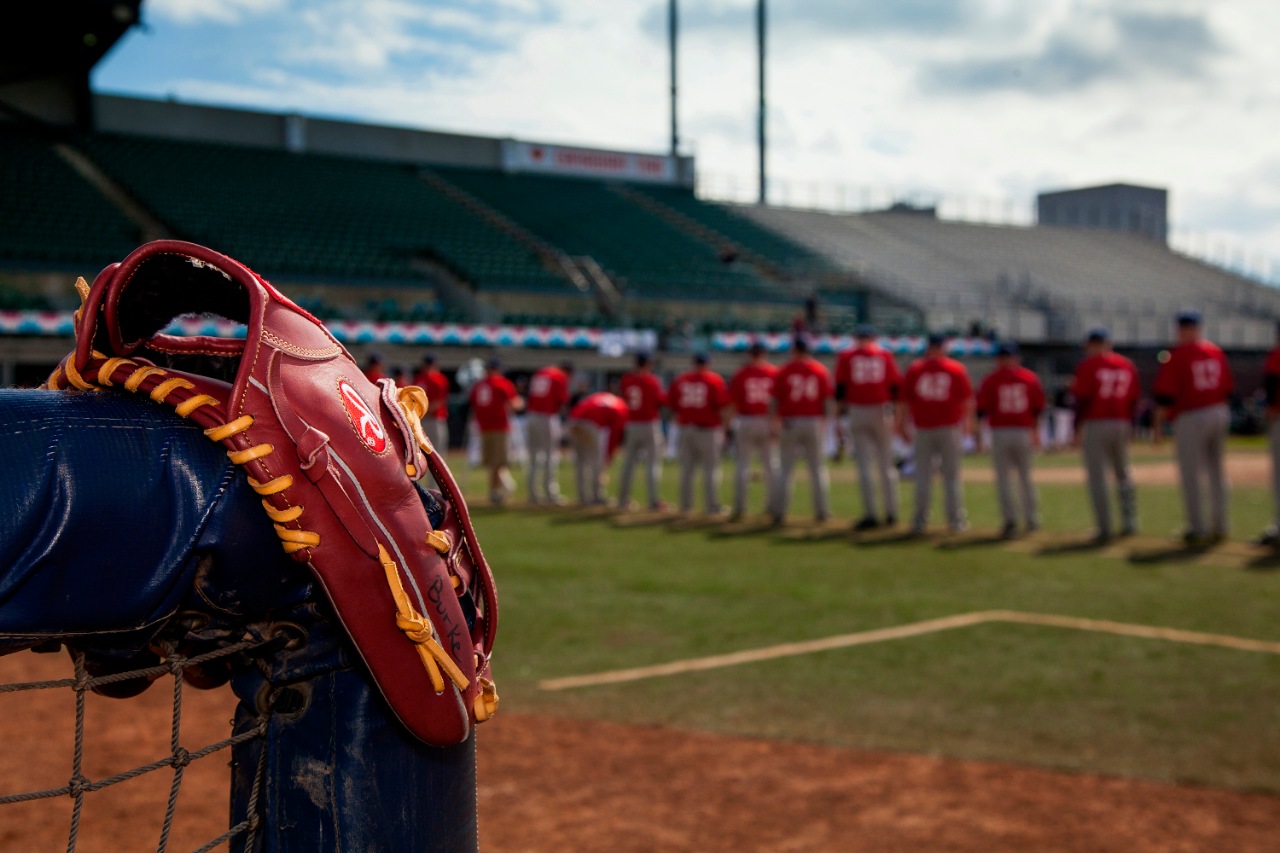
[{"x": 587, "y": 162}]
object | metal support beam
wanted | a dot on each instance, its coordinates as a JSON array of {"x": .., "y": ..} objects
[{"x": 760, "y": 133}]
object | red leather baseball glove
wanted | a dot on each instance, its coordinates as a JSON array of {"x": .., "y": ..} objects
[{"x": 334, "y": 456}]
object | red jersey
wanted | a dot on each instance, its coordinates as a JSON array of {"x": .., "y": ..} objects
[
  {"x": 489, "y": 400},
  {"x": 644, "y": 396},
  {"x": 1106, "y": 388},
  {"x": 548, "y": 391},
  {"x": 936, "y": 391},
  {"x": 751, "y": 388},
  {"x": 436, "y": 384},
  {"x": 697, "y": 396},
  {"x": 373, "y": 373},
  {"x": 1195, "y": 376},
  {"x": 802, "y": 389},
  {"x": 605, "y": 410},
  {"x": 868, "y": 374},
  {"x": 1271, "y": 376},
  {"x": 1011, "y": 397}
]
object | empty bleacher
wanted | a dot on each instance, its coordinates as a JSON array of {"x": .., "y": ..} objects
[
  {"x": 316, "y": 217},
  {"x": 651, "y": 258},
  {"x": 1033, "y": 282},
  {"x": 50, "y": 215}
]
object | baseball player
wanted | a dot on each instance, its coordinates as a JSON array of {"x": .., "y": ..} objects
[
  {"x": 1011, "y": 400},
  {"x": 1271, "y": 386},
  {"x": 644, "y": 395},
  {"x": 1106, "y": 392},
  {"x": 436, "y": 384},
  {"x": 596, "y": 426},
  {"x": 750, "y": 391},
  {"x": 867, "y": 381},
  {"x": 698, "y": 398},
  {"x": 373, "y": 368},
  {"x": 493, "y": 399},
  {"x": 548, "y": 396},
  {"x": 937, "y": 399},
  {"x": 1191, "y": 391},
  {"x": 802, "y": 392}
]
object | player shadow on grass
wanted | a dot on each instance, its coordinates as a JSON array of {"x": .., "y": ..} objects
[
  {"x": 1268, "y": 562},
  {"x": 904, "y": 537},
  {"x": 981, "y": 540},
  {"x": 1179, "y": 553}
]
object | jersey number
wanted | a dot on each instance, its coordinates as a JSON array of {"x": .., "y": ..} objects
[
  {"x": 635, "y": 398},
  {"x": 802, "y": 388},
  {"x": 1206, "y": 375},
  {"x": 867, "y": 371},
  {"x": 934, "y": 386},
  {"x": 1013, "y": 399},
  {"x": 757, "y": 391},
  {"x": 1114, "y": 384},
  {"x": 693, "y": 396},
  {"x": 540, "y": 386},
  {"x": 484, "y": 396}
]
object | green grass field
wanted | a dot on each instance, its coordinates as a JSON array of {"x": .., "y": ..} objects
[{"x": 581, "y": 594}]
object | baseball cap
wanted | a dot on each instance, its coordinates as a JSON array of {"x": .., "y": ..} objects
[
  {"x": 756, "y": 347},
  {"x": 429, "y": 358},
  {"x": 643, "y": 358},
  {"x": 865, "y": 330},
  {"x": 494, "y": 364},
  {"x": 1098, "y": 333},
  {"x": 1007, "y": 348},
  {"x": 566, "y": 366},
  {"x": 937, "y": 338},
  {"x": 1188, "y": 318},
  {"x": 800, "y": 343},
  {"x": 701, "y": 358}
]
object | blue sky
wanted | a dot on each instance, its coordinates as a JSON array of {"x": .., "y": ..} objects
[{"x": 971, "y": 99}]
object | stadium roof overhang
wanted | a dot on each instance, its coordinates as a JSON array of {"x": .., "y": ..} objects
[{"x": 44, "y": 39}]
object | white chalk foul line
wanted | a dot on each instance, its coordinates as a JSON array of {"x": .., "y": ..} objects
[{"x": 914, "y": 629}]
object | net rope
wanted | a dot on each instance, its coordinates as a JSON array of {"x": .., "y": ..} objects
[{"x": 174, "y": 664}]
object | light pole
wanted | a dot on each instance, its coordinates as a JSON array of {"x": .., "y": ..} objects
[
  {"x": 760, "y": 134},
  {"x": 672, "y": 31}
]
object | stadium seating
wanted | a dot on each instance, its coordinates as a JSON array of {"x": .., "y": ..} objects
[
  {"x": 649, "y": 257},
  {"x": 50, "y": 215},
  {"x": 316, "y": 217}
]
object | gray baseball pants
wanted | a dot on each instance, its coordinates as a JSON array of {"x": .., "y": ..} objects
[
  {"x": 1105, "y": 447},
  {"x": 872, "y": 440},
  {"x": 752, "y": 436},
  {"x": 1199, "y": 440},
  {"x": 641, "y": 441},
  {"x": 588, "y": 461},
  {"x": 437, "y": 431},
  {"x": 542, "y": 438},
  {"x": 803, "y": 438},
  {"x": 1011, "y": 454},
  {"x": 939, "y": 447},
  {"x": 699, "y": 451}
]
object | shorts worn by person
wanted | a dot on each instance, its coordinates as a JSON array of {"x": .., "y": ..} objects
[
  {"x": 1011, "y": 399},
  {"x": 867, "y": 383},
  {"x": 698, "y": 397},
  {"x": 596, "y": 426},
  {"x": 548, "y": 396},
  {"x": 1105, "y": 388},
  {"x": 937, "y": 399},
  {"x": 642, "y": 444},
  {"x": 493, "y": 399},
  {"x": 802, "y": 392},
  {"x": 750, "y": 392},
  {"x": 436, "y": 384},
  {"x": 1192, "y": 388}
]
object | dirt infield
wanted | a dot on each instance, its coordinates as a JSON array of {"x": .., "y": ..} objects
[
  {"x": 552, "y": 784},
  {"x": 1243, "y": 469}
]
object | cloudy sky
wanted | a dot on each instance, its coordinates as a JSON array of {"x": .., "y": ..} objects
[{"x": 980, "y": 100}]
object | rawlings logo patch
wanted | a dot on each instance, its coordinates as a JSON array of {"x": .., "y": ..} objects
[{"x": 362, "y": 418}]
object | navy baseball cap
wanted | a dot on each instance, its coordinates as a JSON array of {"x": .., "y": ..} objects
[
  {"x": 429, "y": 358},
  {"x": 1007, "y": 348},
  {"x": 800, "y": 343},
  {"x": 701, "y": 358},
  {"x": 866, "y": 330},
  {"x": 566, "y": 366},
  {"x": 1098, "y": 333},
  {"x": 642, "y": 358},
  {"x": 1188, "y": 318},
  {"x": 937, "y": 339},
  {"x": 757, "y": 346},
  {"x": 494, "y": 364}
]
